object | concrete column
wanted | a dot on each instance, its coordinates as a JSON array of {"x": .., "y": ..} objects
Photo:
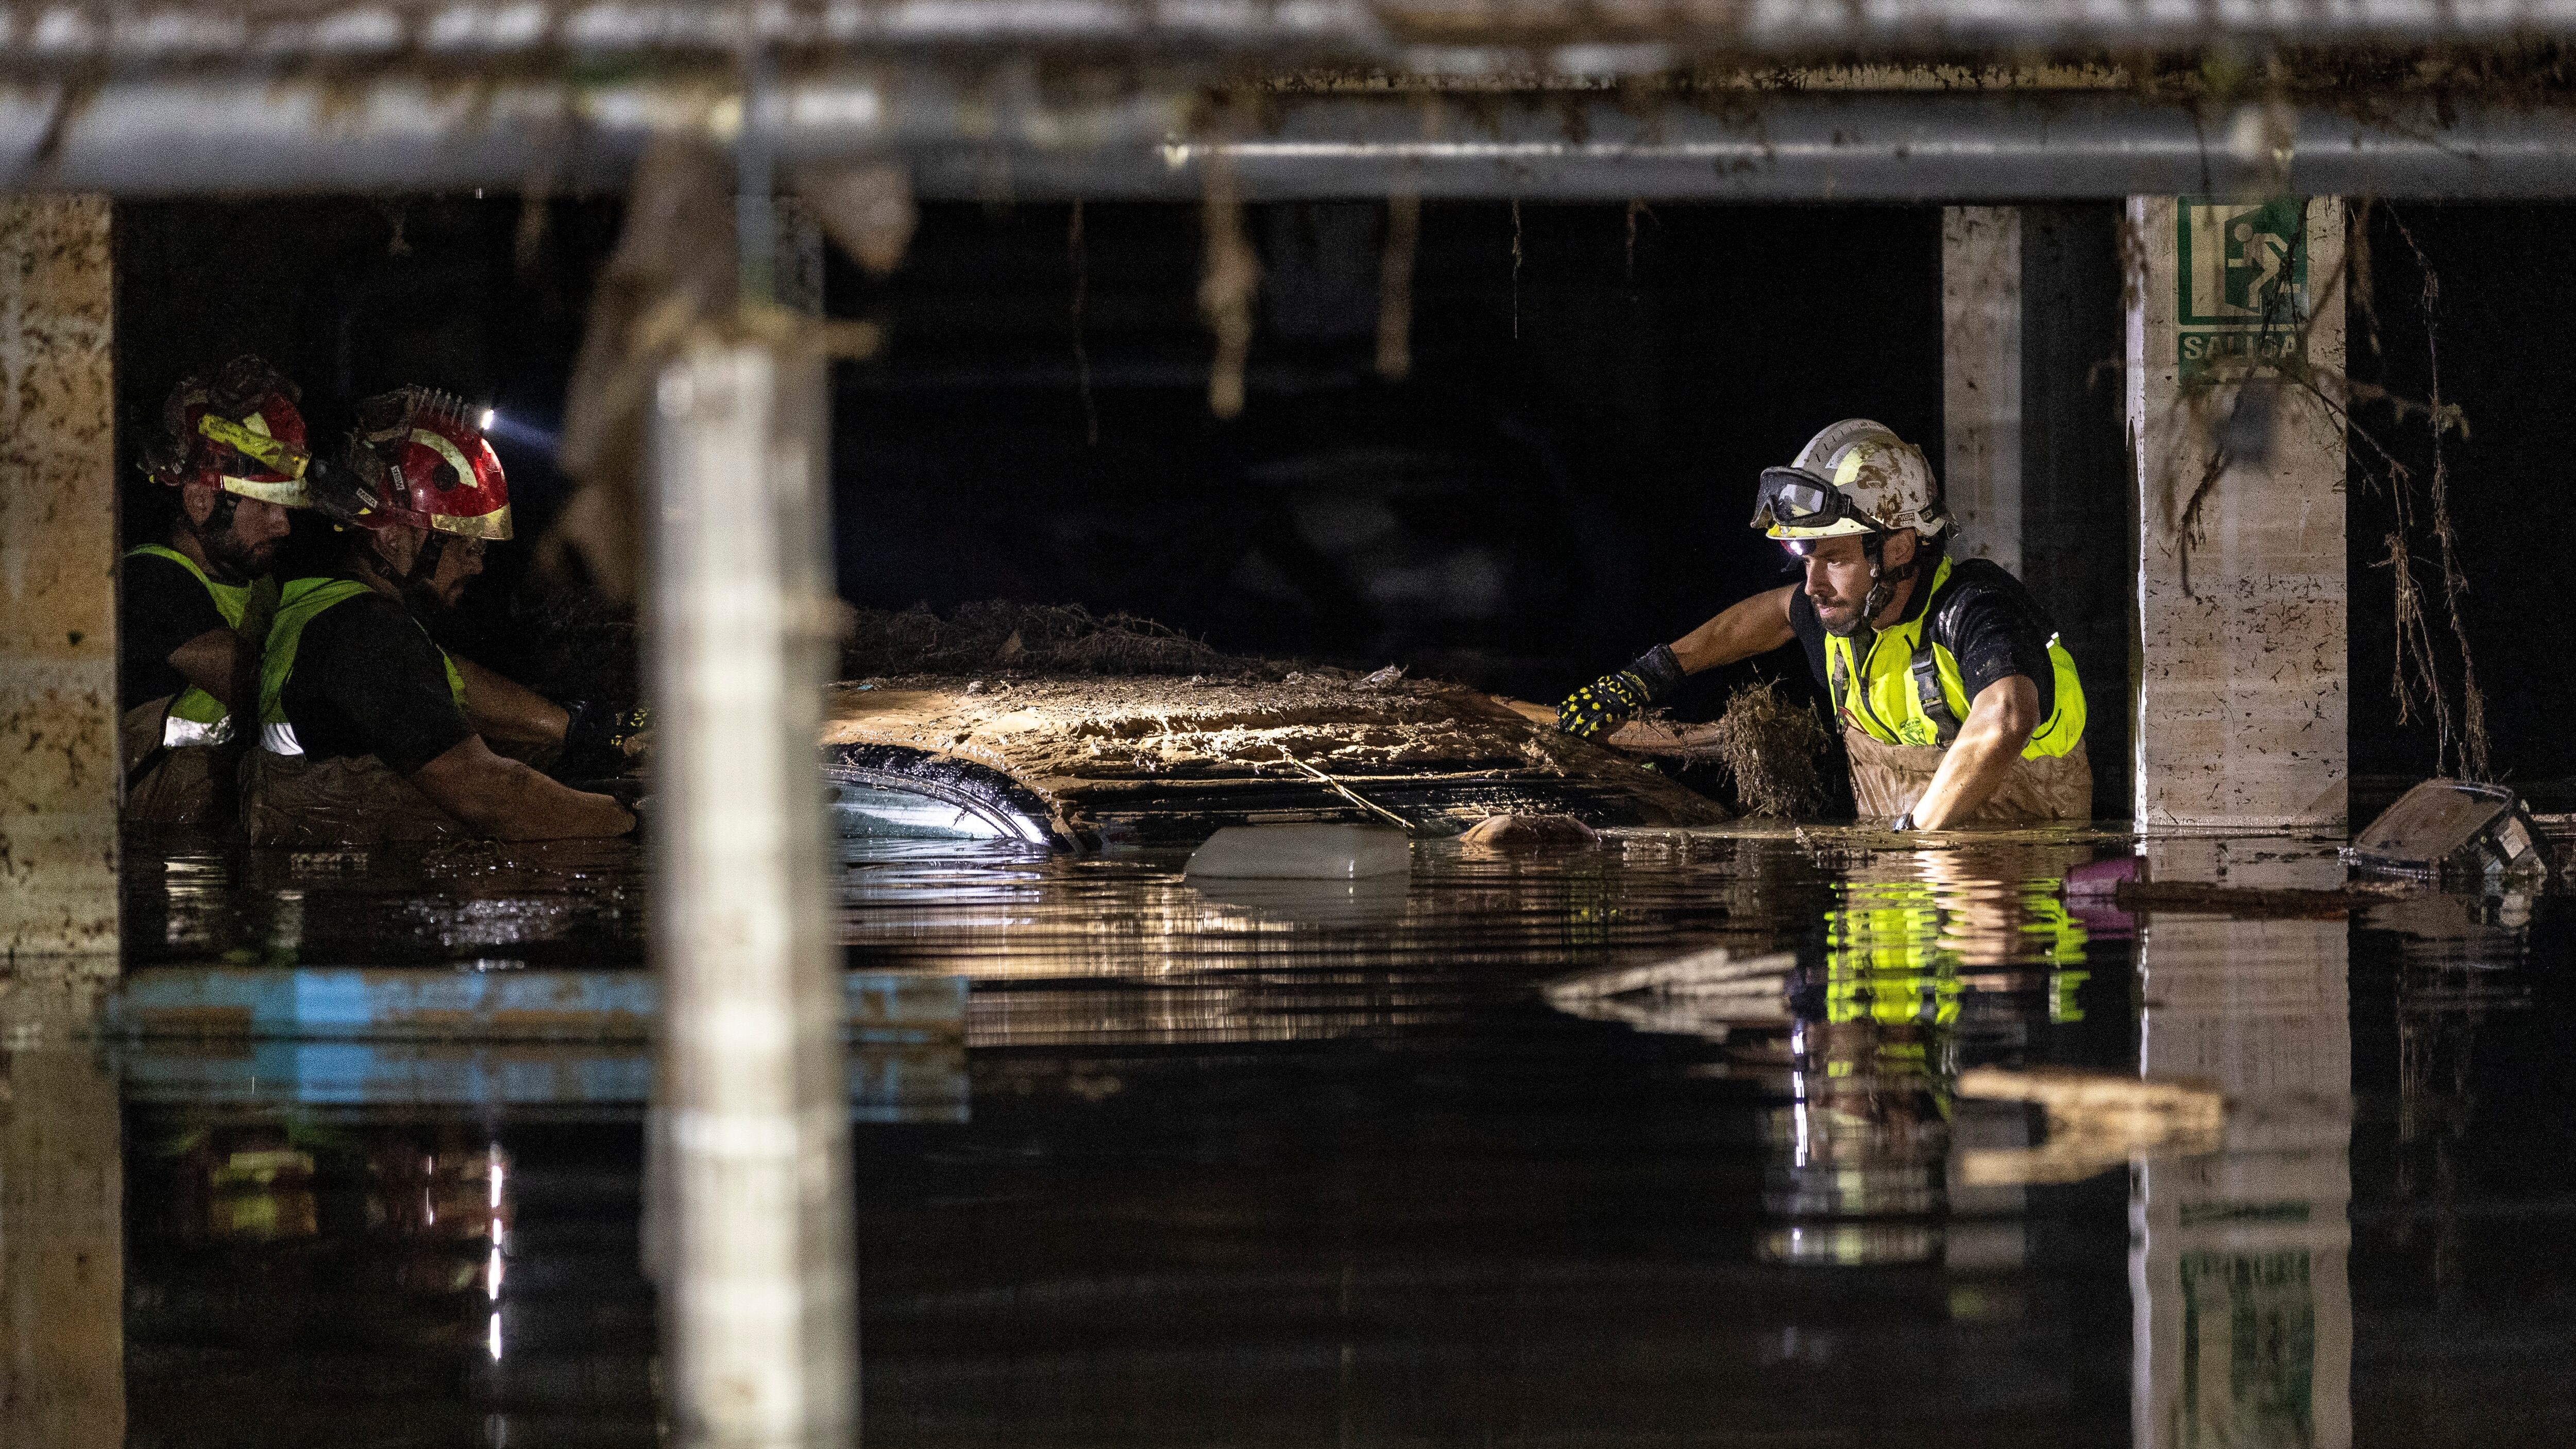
[
  {"x": 761, "y": 1313},
  {"x": 62, "y": 1223},
  {"x": 1981, "y": 378},
  {"x": 2240, "y": 473},
  {"x": 58, "y": 769},
  {"x": 2241, "y": 1303}
]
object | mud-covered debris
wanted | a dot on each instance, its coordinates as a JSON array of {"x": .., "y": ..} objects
[
  {"x": 1775, "y": 750},
  {"x": 1380, "y": 679},
  {"x": 1030, "y": 639},
  {"x": 1528, "y": 832}
]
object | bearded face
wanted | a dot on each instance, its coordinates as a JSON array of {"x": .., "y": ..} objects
[
  {"x": 434, "y": 586},
  {"x": 242, "y": 537},
  {"x": 1839, "y": 577}
]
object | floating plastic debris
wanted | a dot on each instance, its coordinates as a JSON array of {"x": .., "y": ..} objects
[{"x": 2457, "y": 831}]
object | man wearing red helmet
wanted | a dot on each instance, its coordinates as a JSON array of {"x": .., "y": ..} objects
[
  {"x": 369, "y": 732},
  {"x": 192, "y": 607}
]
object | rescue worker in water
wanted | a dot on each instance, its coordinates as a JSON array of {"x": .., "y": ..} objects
[
  {"x": 369, "y": 732},
  {"x": 1959, "y": 705},
  {"x": 192, "y": 606}
]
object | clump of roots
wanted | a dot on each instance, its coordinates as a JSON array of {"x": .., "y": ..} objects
[
  {"x": 1775, "y": 750},
  {"x": 1026, "y": 639}
]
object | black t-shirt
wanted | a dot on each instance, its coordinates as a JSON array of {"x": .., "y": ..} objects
[
  {"x": 159, "y": 606},
  {"x": 1983, "y": 616},
  {"x": 367, "y": 681}
]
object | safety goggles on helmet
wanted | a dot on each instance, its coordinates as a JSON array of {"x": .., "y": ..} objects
[{"x": 1794, "y": 503}]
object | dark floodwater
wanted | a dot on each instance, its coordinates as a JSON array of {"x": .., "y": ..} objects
[{"x": 1286, "y": 1165}]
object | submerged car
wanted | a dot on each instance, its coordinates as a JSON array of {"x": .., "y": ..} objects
[{"x": 1084, "y": 762}]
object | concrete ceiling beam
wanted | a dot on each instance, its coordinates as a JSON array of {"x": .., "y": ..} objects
[{"x": 1009, "y": 137}]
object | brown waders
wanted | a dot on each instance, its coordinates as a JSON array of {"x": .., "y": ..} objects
[
  {"x": 1888, "y": 780},
  {"x": 346, "y": 800},
  {"x": 166, "y": 785}
]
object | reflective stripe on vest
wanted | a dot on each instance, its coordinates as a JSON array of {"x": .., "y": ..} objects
[
  {"x": 196, "y": 717},
  {"x": 298, "y": 604},
  {"x": 1908, "y": 690}
]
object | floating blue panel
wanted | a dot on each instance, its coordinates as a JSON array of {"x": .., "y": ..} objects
[
  {"x": 335, "y": 1003},
  {"x": 925, "y": 1083}
]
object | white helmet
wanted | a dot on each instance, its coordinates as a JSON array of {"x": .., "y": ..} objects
[{"x": 1885, "y": 483}]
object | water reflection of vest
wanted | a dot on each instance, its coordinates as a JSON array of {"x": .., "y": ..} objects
[
  {"x": 196, "y": 718},
  {"x": 1910, "y": 692},
  {"x": 299, "y": 604}
]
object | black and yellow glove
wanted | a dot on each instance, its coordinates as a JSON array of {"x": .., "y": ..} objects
[
  {"x": 598, "y": 739},
  {"x": 1612, "y": 700}
]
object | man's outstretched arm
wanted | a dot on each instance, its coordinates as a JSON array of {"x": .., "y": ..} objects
[
  {"x": 1751, "y": 626},
  {"x": 513, "y": 719},
  {"x": 507, "y": 800}
]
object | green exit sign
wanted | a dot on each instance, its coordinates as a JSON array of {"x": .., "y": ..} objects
[{"x": 2240, "y": 285}]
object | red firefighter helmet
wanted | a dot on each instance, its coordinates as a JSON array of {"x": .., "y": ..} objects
[
  {"x": 421, "y": 459},
  {"x": 239, "y": 432}
]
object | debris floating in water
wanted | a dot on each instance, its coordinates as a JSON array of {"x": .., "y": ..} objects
[
  {"x": 2455, "y": 830},
  {"x": 1528, "y": 832},
  {"x": 1775, "y": 750}
]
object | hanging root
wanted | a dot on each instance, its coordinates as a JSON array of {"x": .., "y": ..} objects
[
  {"x": 2469, "y": 748},
  {"x": 1230, "y": 276},
  {"x": 1395, "y": 286}
]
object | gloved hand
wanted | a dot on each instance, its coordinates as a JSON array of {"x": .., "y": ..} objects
[
  {"x": 600, "y": 740},
  {"x": 1612, "y": 700}
]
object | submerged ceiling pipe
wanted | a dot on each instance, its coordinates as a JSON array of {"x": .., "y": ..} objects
[{"x": 1010, "y": 141}]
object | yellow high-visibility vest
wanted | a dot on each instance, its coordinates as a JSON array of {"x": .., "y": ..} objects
[
  {"x": 196, "y": 717},
  {"x": 298, "y": 604},
  {"x": 1908, "y": 689}
]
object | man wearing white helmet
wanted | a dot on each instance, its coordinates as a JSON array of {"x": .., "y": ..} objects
[{"x": 1959, "y": 705}]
